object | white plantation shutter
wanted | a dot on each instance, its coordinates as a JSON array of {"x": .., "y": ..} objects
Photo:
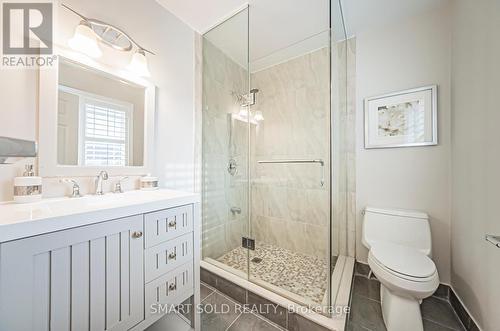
[{"x": 106, "y": 133}]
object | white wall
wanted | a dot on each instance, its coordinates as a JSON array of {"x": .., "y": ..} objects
[
  {"x": 476, "y": 158},
  {"x": 398, "y": 56},
  {"x": 172, "y": 72}
]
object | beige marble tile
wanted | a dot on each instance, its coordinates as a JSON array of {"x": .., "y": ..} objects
[{"x": 288, "y": 206}]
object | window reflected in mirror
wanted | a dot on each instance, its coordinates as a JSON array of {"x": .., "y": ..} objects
[{"x": 100, "y": 118}]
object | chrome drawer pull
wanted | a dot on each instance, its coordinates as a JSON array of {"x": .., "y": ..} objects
[
  {"x": 172, "y": 224},
  {"x": 172, "y": 256},
  {"x": 136, "y": 234},
  {"x": 172, "y": 287}
]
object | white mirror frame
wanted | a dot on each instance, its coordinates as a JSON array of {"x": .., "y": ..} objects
[{"x": 48, "y": 103}]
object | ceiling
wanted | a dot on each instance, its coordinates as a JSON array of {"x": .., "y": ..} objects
[
  {"x": 281, "y": 29},
  {"x": 201, "y": 15},
  {"x": 361, "y": 15}
]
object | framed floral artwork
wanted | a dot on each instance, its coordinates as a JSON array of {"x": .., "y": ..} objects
[{"x": 402, "y": 119}]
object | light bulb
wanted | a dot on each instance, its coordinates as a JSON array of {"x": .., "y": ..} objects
[
  {"x": 85, "y": 40},
  {"x": 258, "y": 116},
  {"x": 139, "y": 64},
  {"x": 243, "y": 111}
]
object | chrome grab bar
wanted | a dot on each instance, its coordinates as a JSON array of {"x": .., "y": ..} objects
[
  {"x": 494, "y": 240},
  {"x": 320, "y": 161},
  {"x": 293, "y": 161}
]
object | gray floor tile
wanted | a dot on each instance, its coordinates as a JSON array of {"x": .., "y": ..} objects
[
  {"x": 186, "y": 309},
  {"x": 369, "y": 288},
  {"x": 362, "y": 269},
  {"x": 440, "y": 312},
  {"x": 462, "y": 314},
  {"x": 250, "y": 322},
  {"x": 355, "y": 327},
  {"x": 299, "y": 323},
  {"x": 266, "y": 308},
  {"x": 218, "y": 313},
  {"x": 431, "y": 326},
  {"x": 442, "y": 292},
  {"x": 205, "y": 291},
  {"x": 367, "y": 313}
]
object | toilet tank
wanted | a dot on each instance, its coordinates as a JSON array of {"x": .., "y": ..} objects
[{"x": 403, "y": 227}]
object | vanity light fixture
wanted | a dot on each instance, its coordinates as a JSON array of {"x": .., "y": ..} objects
[
  {"x": 90, "y": 32},
  {"x": 84, "y": 40},
  {"x": 258, "y": 116},
  {"x": 139, "y": 64}
]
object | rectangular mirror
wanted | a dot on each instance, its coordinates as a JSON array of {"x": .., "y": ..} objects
[
  {"x": 100, "y": 118},
  {"x": 94, "y": 117}
]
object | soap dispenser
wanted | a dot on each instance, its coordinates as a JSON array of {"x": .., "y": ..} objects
[{"x": 28, "y": 188}]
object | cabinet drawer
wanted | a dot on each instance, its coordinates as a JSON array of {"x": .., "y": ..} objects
[
  {"x": 170, "y": 289},
  {"x": 167, "y": 256},
  {"x": 167, "y": 224}
]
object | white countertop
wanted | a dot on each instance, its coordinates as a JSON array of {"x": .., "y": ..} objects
[{"x": 49, "y": 215}]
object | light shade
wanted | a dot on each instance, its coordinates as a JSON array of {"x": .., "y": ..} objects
[
  {"x": 243, "y": 112},
  {"x": 139, "y": 64},
  {"x": 85, "y": 40},
  {"x": 258, "y": 116}
]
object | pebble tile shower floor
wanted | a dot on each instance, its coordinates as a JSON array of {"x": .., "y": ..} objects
[{"x": 300, "y": 274}]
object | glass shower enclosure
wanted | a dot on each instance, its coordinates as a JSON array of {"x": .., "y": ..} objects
[{"x": 273, "y": 166}]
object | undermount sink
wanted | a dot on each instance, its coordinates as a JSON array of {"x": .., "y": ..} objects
[
  {"x": 52, "y": 208},
  {"x": 87, "y": 200},
  {"x": 91, "y": 201}
]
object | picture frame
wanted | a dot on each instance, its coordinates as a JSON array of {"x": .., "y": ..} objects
[{"x": 402, "y": 119}]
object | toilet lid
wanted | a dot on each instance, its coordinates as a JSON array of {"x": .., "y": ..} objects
[{"x": 403, "y": 260}]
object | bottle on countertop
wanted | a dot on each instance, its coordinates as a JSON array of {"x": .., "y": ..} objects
[
  {"x": 149, "y": 183},
  {"x": 28, "y": 188}
]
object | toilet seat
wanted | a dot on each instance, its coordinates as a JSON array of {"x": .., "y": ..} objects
[
  {"x": 402, "y": 261},
  {"x": 402, "y": 284}
]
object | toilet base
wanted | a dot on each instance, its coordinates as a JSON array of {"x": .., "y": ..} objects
[{"x": 400, "y": 313}]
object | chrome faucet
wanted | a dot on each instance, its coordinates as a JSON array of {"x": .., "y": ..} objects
[
  {"x": 76, "y": 188},
  {"x": 103, "y": 175},
  {"x": 118, "y": 185}
]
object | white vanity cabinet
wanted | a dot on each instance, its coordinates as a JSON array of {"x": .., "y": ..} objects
[
  {"x": 87, "y": 278},
  {"x": 101, "y": 276}
]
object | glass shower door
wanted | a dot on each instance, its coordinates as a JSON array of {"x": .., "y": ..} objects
[
  {"x": 290, "y": 168},
  {"x": 225, "y": 145},
  {"x": 274, "y": 161}
]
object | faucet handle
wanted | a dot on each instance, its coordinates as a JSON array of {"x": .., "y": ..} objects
[
  {"x": 76, "y": 187},
  {"x": 118, "y": 184},
  {"x": 103, "y": 174}
]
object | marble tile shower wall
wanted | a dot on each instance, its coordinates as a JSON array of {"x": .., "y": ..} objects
[
  {"x": 350, "y": 145},
  {"x": 344, "y": 146},
  {"x": 223, "y": 139},
  {"x": 289, "y": 207}
]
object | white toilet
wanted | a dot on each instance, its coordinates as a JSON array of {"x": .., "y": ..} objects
[{"x": 400, "y": 249}]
